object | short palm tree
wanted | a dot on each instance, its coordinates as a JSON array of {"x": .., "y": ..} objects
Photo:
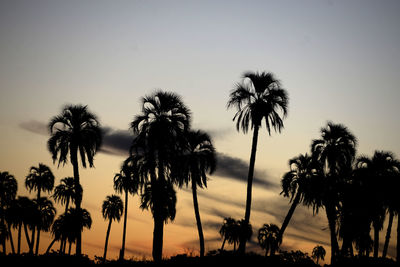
[
  {"x": 40, "y": 179},
  {"x": 227, "y": 230},
  {"x": 75, "y": 131},
  {"x": 112, "y": 210},
  {"x": 8, "y": 191},
  {"x": 76, "y": 221},
  {"x": 318, "y": 253},
  {"x": 259, "y": 97},
  {"x": 198, "y": 159},
  {"x": 58, "y": 231},
  {"x": 126, "y": 181},
  {"x": 160, "y": 130},
  {"x": 382, "y": 169},
  {"x": 46, "y": 214},
  {"x": 268, "y": 238},
  {"x": 335, "y": 153},
  {"x": 295, "y": 185}
]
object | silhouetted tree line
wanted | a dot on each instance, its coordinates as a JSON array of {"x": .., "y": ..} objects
[{"x": 357, "y": 193}]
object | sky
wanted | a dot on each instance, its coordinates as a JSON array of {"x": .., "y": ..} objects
[{"x": 338, "y": 60}]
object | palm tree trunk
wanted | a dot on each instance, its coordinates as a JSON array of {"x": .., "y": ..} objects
[
  {"x": 27, "y": 236},
  {"x": 105, "y": 246},
  {"x": 388, "y": 232},
  {"x": 78, "y": 195},
  {"x": 32, "y": 243},
  {"x": 398, "y": 240},
  {"x": 242, "y": 243},
  {"x": 330, "y": 214},
  {"x": 37, "y": 241},
  {"x": 122, "y": 252},
  {"x": 11, "y": 239},
  {"x": 223, "y": 244},
  {"x": 158, "y": 236},
  {"x": 69, "y": 248},
  {"x": 51, "y": 244},
  {"x": 198, "y": 221},
  {"x": 19, "y": 238},
  {"x": 376, "y": 240},
  {"x": 288, "y": 217}
]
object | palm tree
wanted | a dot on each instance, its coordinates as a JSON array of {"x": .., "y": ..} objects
[
  {"x": 162, "y": 194},
  {"x": 335, "y": 153},
  {"x": 318, "y": 253},
  {"x": 8, "y": 191},
  {"x": 75, "y": 130},
  {"x": 198, "y": 159},
  {"x": 58, "y": 231},
  {"x": 382, "y": 169},
  {"x": 268, "y": 238},
  {"x": 227, "y": 230},
  {"x": 295, "y": 185},
  {"x": 126, "y": 181},
  {"x": 112, "y": 210},
  {"x": 28, "y": 214},
  {"x": 46, "y": 214},
  {"x": 39, "y": 179},
  {"x": 259, "y": 97},
  {"x": 76, "y": 220},
  {"x": 160, "y": 131}
]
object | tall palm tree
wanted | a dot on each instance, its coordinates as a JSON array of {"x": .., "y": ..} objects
[
  {"x": 159, "y": 193},
  {"x": 46, "y": 214},
  {"x": 268, "y": 238},
  {"x": 318, "y": 253},
  {"x": 126, "y": 181},
  {"x": 259, "y": 97},
  {"x": 39, "y": 179},
  {"x": 382, "y": 169},
  {"x": 112, "y": 210},
  {"x": 8, "y": 191},
  {"x": 295, "y": 185},
  {"x": 160, "y": 131},
  {"x": 198, "y": 159},
  {"x": 335, "y": 152},
  {"x": 75, "y": 130}
]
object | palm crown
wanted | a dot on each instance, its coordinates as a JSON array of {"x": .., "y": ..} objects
[
  {"x": 40, "y": 179},
  {"x": 259, "y": 98}
]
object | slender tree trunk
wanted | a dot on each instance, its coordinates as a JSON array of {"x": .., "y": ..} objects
[
  {"x": 27, "y": 236},
  {"x": 69, "y": 248},
  {"x": 288, "y": 217},
  {"x": 242, "y": 243},
  {"x": 158, "y": 232},
  {"x": 64, "y": 241},
  {"x": 158, "y": 237},
  {"x": 32, "y": 243},
  {"x": 122, "y": 251},
  {"x": 19, "y": 239},
  {"x": 51, "y": 244},
  {"x": 37, "y": 241},
  {"x": 330, "y": 213},
  {"x": 388, "y": 232},
  {"x": 376, "y": 240},
  {"x": 106, "y": 244},
  {"x": 11, "y": 239},
  {"x": 223, "y": 244},
  {"x": 38, "y": 226},
  {"x": 398, "y": 240},
  {"x": 198, "y": 220},
  {"x": 78, "y": 195}
]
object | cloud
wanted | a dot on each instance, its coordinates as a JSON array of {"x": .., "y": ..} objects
[
  {"x": 237, "y": 169},
  {"x": 116, "y": 142},
  {"x": 34, "y": 126}
]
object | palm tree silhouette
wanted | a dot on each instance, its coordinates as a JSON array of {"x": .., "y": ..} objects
[
  {"x": 65, "y": 193},
  {"x": 268, "y": 238},
  {"x": 112, "y": 210},
  {"x": 75, "y": 221},
  {"x": 58, "y": 231},
  {"x": 126, "y": 181},
  {"x": 259, "y": 97},
  {"x": 295, "y": 185},
  {"x": 8, "y": 191},
  {"x": 160, "y": 131},
  {"x": 39, "y": 179},
  {"x": 335, "y": 153},
  {"x": 198, "y": 159},
  {"x": 75, "y": 130},
  {"x": 382, "y": 168},
  {"x": 318, "y": 253},
  {"x": 227, "y": 231},
  {"x": 46, "y": 214}
]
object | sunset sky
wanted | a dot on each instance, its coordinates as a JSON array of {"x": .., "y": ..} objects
[{"x": 338, "y": 61}]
